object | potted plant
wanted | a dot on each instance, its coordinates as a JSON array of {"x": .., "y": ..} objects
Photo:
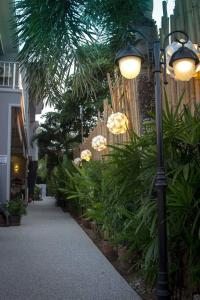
[
  {"x": 16, "y": 208},
  {"x": 124, "y": 258},
  {"x": 37, "y": 193},
  {"x": 2, "y": 220},
  {"x": 86, "y": 223},
  {"x": 3, "y": 215}
]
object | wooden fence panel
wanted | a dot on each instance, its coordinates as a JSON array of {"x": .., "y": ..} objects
[{"x": 125, "y": 95}]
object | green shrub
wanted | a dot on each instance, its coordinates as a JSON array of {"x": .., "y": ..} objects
[
  {"x": 37, "y": 193},
  {"x": 16, "y": 207},
  {"x": 119, "y": 194}
]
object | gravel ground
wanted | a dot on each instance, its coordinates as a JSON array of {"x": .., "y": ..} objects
[{"x": 50, "y": 257}]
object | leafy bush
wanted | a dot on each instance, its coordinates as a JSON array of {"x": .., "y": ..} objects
[
  {"x": 119, "y": 194},
  {"x": 37, "y": 193},
  {"x": 16, "y": 207}
]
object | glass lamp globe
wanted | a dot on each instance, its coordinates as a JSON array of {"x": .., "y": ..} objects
[
  {"x": 77, "y": 161},
  {"x": 184, "y": 69},
  {"x": 117, "y": 123},
  {"x": 184, "y": 62},
  {"x": 86, "y": 155},
  {"x": 99, "y": 143},
  {"x": 197, "y": 72},
  {"x": 130, "y": 66},
  {"x": 16, "y": 168}
]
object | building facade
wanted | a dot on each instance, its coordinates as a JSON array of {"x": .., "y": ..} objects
[{"x": 17, "y": 115}]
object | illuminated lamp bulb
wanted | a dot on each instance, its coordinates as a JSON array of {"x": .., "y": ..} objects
[
  {"x": 16, "y": 168},
  {"x": 86, "y": 155},
  {"x": 99, "y": 143},
  {"x": 117, "y": 123},
  {"x": 130, "y": 66},
  {"x": 184, "y": 62},
  {"x": 77, "y": 161},
  {"x": 184, "y": 69},
  {"x": 129, "y": 61}
]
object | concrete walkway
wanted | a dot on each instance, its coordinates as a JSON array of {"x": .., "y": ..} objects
[{"x": 50, "y": 257}]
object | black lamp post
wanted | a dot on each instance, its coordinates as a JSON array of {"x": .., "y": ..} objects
[{"x": 184, "y": 62}]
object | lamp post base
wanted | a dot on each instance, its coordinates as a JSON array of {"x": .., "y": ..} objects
[{"x": 162, "y": 289}]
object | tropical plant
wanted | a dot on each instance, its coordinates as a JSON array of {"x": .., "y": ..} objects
[
  {"x": 37, "y": 193},
  {"x": 16, "y": 207},
  {"x": 42, "y": 171},
  {"x": 67, "y": 41},
  {"x": 119, "y": 194},
  {"x": 50, "y": 32}
]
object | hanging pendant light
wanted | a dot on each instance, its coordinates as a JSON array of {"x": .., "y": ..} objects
[
  {"x": 77, "y": 161},
  {"x": 184, "y": 62},
  {"x": 117, "y": 123},
  {"x": 99, "y": 143},
  {"x": 86, "y": 155},
  {"x": 129, "y": 60}
]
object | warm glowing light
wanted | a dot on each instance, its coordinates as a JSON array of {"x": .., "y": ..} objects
[
  {"x": 184, "y": 69},
  {"x": 197, "y": 72},
  {"x": 16, "y": 168},
  {"x": 77, "y": 161},
  {"x": 174, "y": 47},
  {"x": 86, "y": 155},
  {"x": 130, "y": 66},
  {"x": 117, "y": 123},
  {"x": 99, "y": 143}
]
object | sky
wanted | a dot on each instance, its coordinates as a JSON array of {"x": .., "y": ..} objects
[
  {"x": 157, "y": 11},
  {"x": 157, "y": 14}
]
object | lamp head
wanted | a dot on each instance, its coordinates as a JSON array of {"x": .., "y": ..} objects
[
  {"x": 129, "y": 61},
  {"x": 184, "y": 62}
]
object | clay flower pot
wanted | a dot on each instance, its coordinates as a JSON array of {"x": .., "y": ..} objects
[
  {"x": 2, "y": 221},
  {"x": 122, "y": 252},
  {"x": 123, "y": 258},
  {"x": 14, "y": 220},
  {"x": 94, "y": 226},
  {"x": 108, "y": 250},
  {"x": 86, "y": 223}
]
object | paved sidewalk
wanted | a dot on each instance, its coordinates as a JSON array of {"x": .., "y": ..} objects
[{"x": 49, "y": 257}]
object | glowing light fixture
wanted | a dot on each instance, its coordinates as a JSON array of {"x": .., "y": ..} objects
[
  {"x": 99, "y": 143},
  {"x": 86, "y": 155},
  {"x": 16, "y": 168},
  {"x": 129, "y": 60},
  {"x": 197, "y": 72},
  {"x": 77, "y": 161},
  {"x": 184, "y": 62},
  {"x": 117, "y": 123}
]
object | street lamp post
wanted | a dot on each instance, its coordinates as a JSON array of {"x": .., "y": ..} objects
[
  {"x": 81, "y": 118},
  {"x": 184, "y": 62}
]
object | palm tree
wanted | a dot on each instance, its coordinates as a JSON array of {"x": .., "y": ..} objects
[
  {"x": 50, "y": 32},
  {"x": 57, "y": 35}
]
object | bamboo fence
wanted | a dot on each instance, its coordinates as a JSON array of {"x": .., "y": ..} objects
[
  {"x": 123, "y": 99},
  {"x": 125, "y": 93}
]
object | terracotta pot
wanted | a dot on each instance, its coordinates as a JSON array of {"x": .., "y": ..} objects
[
  {"x": 94, "y": 226},
  {"x": 15, "y": 220},
  {"x": 65, "y": 206},
  {"x": 91, "y": 234},
  {"x": 122, "y": 252},
  {"x": 108, "y": 250},
  {"x": 123, "y": 258},
  {"x": 2, "y": 221},
  {"x": 86, "y": 223}
]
